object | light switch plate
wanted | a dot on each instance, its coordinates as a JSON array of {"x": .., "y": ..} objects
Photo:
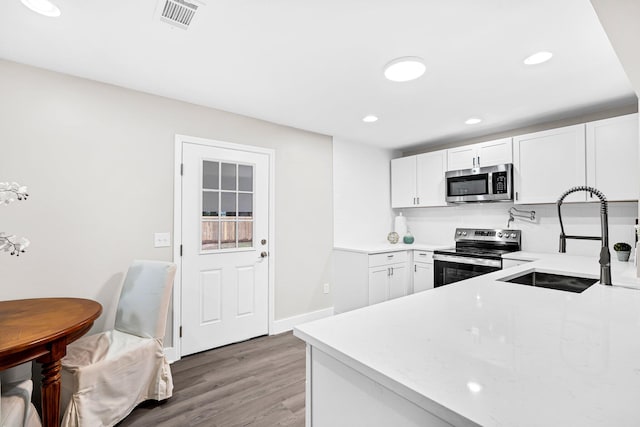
[{"x": 162, "y": 240}]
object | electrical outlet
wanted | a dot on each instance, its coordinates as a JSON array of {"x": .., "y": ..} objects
[
  {"x": 326, "y": 288},
  {"x": 162, "y": 240}
]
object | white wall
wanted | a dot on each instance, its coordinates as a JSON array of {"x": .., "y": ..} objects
[
  {"x": 361, "y": 193},
  {"x": 437, "y": 225},
  {"x": 98, "y": 160}
]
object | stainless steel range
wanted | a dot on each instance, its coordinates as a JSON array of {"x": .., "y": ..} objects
[{"x": 478, "y": 251}]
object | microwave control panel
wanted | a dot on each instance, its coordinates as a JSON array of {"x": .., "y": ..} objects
[{"x": 500, "y": 182}]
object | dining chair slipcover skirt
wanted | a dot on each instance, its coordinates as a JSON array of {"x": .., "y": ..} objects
[
  {"x": 16, "y": 409},
  {"x": 105, "y": 376}
]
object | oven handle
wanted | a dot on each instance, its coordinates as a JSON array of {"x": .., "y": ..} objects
[{"x": 466, "y": 260}]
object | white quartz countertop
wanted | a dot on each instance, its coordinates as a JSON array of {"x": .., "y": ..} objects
[
  {"x": 376, "y": 248},
  {"x": 490, "y": 353}
]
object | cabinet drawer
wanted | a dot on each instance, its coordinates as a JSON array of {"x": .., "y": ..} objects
[
  {"x": 423, "y": 256},
  {"x": 387, "y": 258}
]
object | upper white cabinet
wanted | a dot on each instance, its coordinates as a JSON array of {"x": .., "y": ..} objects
[
  {"x": 488, "y": 153},
  {"x": 612, "y": 157},
  {"x": 403, "y": 182},
  {"x": 548, "y": 163},
  {"x": 418, "y": 181}
]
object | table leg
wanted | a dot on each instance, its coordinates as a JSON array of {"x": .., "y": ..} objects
[{"x": 51, "y": 393}]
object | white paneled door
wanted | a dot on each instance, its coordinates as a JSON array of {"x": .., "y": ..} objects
[{"x": 225, "y": 253}]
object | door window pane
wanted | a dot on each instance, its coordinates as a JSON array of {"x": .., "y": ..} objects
[
  {"x": 210, "y": 175},
  {"x": 245, "y": 234},
  {"x": 245, "y": 178},
  {"x": 228, "y": 204},
  {"x": 227, "y": 234},
  {"x": 228, "y": 176},
  {"x": 245, "y": 205},
  {"x": 210, "y": 203},
  {"x": 210, "y": 231}
]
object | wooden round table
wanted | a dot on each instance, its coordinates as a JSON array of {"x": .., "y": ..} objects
[{"x": 40, "y": 329}]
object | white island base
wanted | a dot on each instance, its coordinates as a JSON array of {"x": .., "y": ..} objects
[{"x": 338, "y": 395}]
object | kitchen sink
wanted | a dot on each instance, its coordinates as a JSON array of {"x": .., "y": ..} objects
[{"x": 552, "y": 281}]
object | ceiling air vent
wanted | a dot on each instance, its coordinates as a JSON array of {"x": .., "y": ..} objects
[{"x": 178, "y": 13}]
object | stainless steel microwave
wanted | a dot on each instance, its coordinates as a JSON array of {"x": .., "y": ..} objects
[{"x": 486, "y": 184}]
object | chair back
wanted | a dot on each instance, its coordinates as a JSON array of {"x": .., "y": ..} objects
[{"x": 144, "y": 300}]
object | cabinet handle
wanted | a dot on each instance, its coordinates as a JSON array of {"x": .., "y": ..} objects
[
  {"x": 474, "y": 162},
  {"x": 422, "y": 254},
  {"x": 392, "y": 271},
  {"x": 418, "y": 201},
  {"x": 415, "y": 268},
  {"x": 516, "y": 195},
  {"x": 478, "y": 161},
  {"x": 390, "y": 256},
  {"x": 388, "y": 271}
]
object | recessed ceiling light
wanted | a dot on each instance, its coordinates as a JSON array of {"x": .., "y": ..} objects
[
  {"x": 43, "y": 7},
  {"x": 370, "y": 118},
  {"x": 473, "y": 121},
  {"x": 538, "y": 58},
  {"x": 474, "y": 387},
  {"x": 404, "y": 69}
]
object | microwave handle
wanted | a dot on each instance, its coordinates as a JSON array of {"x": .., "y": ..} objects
[{"x": 490, "y": 183}]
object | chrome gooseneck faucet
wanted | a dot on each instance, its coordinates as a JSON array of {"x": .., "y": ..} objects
[{"x": 605, "y": 255}]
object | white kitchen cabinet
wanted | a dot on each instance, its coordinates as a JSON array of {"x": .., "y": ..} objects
[
  {"x": 548, "y": 163},
  {"x": 418, "y": 181},
  {"x": 422, "y": 270},
  {"x": 403, "y": 182},
  {"x": 362, "y": 279},
  {"x": 489, "y": 153},
  {"x": 612, "y": 157}
]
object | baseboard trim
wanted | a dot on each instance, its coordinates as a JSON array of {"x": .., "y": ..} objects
[{"x": 288, "y": 323}]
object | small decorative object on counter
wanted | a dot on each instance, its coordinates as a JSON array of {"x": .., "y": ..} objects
[
  {"x": 408, "y": 238},
  {"x": 623, "y": 250},
  {"x": 400, "y": 225},
  {"x": 393, "y": 237}
]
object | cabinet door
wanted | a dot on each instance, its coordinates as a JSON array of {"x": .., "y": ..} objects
[
  {"x": 548, "y": 163},
  {"x": 612, "y": 157},
  {"x": 403, "y": 182},
  {"x": 496, "y": 152},
  {"x": 422, "y": 277},
  {"x": 398, "y": 281},
  {"x": 461, "y": 157},
  {"x": 378, "y": 284},
  {"x": 431, "y": 168}
]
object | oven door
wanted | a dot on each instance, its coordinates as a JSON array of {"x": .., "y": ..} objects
[{"x": 451, "y": 268}]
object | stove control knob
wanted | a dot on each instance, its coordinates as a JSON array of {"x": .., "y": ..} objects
[
  {"x": 459, "y": 233},
  {"x": 513, "y": 235},
  {"x": 464, "y": 233},
  {"x": 500, "y": 234}
]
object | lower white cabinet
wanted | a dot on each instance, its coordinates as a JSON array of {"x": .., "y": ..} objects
[
  {"x": 422, "y": 270},
  {"x": 362, "y": 279},
  {"x": 387, "y": 282}
]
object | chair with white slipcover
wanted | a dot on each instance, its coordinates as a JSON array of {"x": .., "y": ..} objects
[
  {"x": 16, "y": 409},
  {"x": 105, "y": 376}
]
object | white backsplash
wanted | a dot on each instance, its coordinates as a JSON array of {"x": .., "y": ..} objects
[{"x": 437, "y": 225}]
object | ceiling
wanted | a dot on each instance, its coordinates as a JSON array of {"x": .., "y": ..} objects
[{"x": 318, "y": 65}]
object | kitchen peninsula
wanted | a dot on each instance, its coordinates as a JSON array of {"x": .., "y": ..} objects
[{"x": 483, "y": 352}]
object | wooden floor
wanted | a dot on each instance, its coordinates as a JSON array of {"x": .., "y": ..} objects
[{"x": 259, "y": 382}]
